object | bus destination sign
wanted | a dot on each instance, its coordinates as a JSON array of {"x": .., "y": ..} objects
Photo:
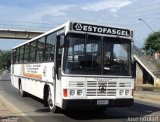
[{"x": 101, "y": 29}]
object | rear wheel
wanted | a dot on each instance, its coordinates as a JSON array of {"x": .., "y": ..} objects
[
  {"x": 51, "y": 105},
  {"x": 21, "y": 92}
]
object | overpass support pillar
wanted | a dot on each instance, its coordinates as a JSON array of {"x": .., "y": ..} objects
[{"x": 139, "y": 74}]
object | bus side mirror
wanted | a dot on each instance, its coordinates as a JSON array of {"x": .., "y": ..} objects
[
  {"x": 59, "y": 74},
  {"x": 62, "y": 41}
]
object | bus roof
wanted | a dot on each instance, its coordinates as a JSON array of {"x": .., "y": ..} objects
[
  {"x": 46, "y": 33},
  {"x": 83, "y": 27}
]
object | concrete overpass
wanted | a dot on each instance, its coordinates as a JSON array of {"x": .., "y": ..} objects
[
  {"x": 18, "y": 34},
  {"x": 147, "y": 68}
]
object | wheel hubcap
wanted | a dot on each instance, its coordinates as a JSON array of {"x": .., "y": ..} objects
[
  {"x": 20, "y": 89},
  {"x": 50, "y": 99}
]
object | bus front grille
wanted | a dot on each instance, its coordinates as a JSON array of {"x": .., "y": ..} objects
[{"x": 95, "y": 88}]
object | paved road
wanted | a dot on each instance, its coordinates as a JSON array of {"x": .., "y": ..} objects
[{"x": 33, "y": 108}]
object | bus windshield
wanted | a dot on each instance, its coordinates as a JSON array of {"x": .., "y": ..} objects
[{"x": 96, "y": 55}]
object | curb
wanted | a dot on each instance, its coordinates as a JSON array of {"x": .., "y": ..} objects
[
  {"x": 14, "y": 110},
  {"x": 147, "y": 98}
]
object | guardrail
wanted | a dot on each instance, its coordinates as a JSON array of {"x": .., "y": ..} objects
[{"x": 137, "y": 51}]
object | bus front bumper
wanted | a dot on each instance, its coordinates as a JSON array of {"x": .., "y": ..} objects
[{"x": 71, "y": 104}]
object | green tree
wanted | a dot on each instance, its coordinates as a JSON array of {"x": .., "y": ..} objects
[
  {"x": 152, "y": 42},
  {"x": 5, "y": 60}
]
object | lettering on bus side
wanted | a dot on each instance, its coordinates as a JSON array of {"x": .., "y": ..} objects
[{"x": 101, "y": 29}]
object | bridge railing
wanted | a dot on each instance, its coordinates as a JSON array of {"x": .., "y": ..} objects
[{"x": 137, "y": 51}]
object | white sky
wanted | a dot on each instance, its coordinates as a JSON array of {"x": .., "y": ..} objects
[{"x": 123, "y": 13}]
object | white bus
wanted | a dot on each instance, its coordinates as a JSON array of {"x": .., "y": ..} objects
[{"x": 76, "y": 65}]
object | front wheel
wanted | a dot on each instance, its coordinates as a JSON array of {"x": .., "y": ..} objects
[{"x": 51, "y": 105}]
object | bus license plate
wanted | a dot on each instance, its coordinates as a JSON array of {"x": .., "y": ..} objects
[{"x": 102, "y": 102}]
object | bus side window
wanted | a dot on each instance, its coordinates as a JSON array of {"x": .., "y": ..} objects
[
  {"x": 26, "y": 52},
  {"x": 17, "y": 55},
  {"x": 40, "y": 49},
  {"x": 13, "y": 56},
  {"x": 32, "y": 55},
  {"x": 50, "y": 47}
]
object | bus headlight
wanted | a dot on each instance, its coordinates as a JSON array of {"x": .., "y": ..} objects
[
  {"x": 79, "y": 92},
  {"x": 126, "y": 92},
  {"x": 72, "y": 92},
  {"x": 121, "y": 92}
]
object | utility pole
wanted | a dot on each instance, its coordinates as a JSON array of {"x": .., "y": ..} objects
[{"x": 146, "y": 24}]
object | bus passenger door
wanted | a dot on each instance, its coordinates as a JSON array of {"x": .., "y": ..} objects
[{"x": 57, "y": 74}]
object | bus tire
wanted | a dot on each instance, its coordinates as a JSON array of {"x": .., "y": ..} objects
[
  {"x": 51, "y": 105},
  {"x": 21, "y": 92}
]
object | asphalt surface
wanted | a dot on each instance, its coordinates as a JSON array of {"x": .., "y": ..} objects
[{"x": 33, "y": 108}]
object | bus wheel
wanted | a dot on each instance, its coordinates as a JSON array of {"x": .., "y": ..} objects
[
  {"x": 51, "y": 105},
  {"x": 21, "y": 92}
]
